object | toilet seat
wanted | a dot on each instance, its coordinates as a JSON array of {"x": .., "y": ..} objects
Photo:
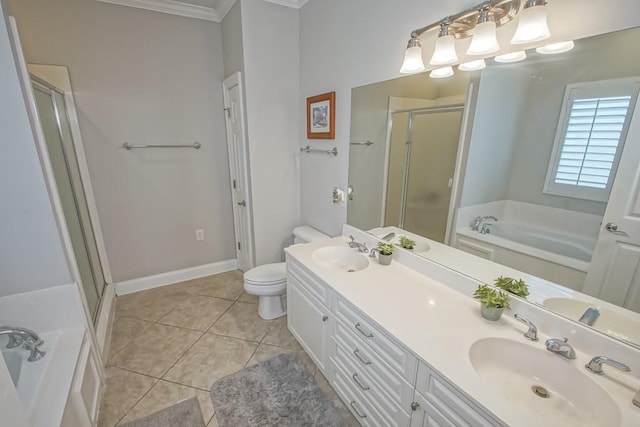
[{"x": 267, "y": 274}]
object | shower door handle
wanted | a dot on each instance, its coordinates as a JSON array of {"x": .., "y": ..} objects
[
  {"x": 612, "y": 227},
  {"x": 242, "y": 203}
]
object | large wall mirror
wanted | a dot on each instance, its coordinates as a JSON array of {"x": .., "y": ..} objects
[{"x": 527, "y": 169}]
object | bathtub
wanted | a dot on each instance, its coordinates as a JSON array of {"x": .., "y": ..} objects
[{"x": 553, "y": 255}]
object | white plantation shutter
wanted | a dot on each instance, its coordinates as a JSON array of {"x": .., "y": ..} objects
[{"x": 590, "y": 137}]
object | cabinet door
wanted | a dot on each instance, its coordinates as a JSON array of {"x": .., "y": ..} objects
[
  {"x": 426, "y": 415},
  {"x": 308, "y": 321}
]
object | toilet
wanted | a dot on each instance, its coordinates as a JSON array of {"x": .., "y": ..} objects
[{"x": 269, "y": 281}]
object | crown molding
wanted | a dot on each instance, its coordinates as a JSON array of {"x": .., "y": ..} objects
[
  {"x": 296, "y": 4},
  {"x": 173, "y": 8}
]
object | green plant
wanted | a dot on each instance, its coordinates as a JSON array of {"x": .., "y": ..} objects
[
  {"x": 491, "y": 297},
  {"x": 406, "y": 242},
  {"x": 385, "y": 248},
  {"x": 516, "y": 287}
]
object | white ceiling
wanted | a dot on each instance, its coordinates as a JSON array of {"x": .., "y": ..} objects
[{"x": 209, "y": 10}]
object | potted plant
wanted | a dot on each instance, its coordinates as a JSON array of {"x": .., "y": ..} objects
[
  {"x": 516, "y": 287},
  {"x": 406, "y": 242},
  {"x": 385, "y": 253},
  {"x": 492, "y": 302}
]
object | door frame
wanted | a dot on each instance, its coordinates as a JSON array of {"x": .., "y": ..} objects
[{"x": 234, "y": 80}]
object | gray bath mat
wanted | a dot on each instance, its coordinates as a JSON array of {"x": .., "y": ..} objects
[
  {"x": 183, "y": 414},
  {"x": 276, "y": 392}
]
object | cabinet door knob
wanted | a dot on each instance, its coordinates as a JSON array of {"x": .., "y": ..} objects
[
  {"x": 415, "y": 406},
  {"x": 325, "y": 318}
]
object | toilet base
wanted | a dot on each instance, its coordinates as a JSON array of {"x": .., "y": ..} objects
[{"x": 271, "y": 307}]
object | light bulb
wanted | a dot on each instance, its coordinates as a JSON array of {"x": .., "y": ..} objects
[
  {"x": 445, "y": 51},
  {"x": 413, "y": 58},
  {"x": 484, "y": 39},
  {"x": 511, "y": 57},
  {"x": 440, "y": 73},
  {"x": 478, "y": 64},
  {"x": 553, "y": 48},
  {"x": 532, "y": 25}
]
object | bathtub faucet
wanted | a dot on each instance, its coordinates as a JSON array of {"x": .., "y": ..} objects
[
  {"x": 477, "y": 222},
  {"x": 26, "y": 338}
]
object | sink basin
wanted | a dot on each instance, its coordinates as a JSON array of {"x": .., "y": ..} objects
[
  {"x": 337, "y": 258},
  {"x": 609, "y": 322},
  {"x": 523, "y": 375}
]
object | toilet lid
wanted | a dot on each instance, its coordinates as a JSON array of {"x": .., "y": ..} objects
[{"x": 267, "y": 273}]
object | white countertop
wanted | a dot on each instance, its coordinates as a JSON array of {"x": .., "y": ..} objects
[{"x": 439, "y": 325}]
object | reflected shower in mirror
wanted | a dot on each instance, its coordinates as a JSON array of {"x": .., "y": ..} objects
[{"x": 542, "y": 149}]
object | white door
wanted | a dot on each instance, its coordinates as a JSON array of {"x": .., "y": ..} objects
[
  {"x": 614, "y": 273},
  {"x": 239, "y": 170}
]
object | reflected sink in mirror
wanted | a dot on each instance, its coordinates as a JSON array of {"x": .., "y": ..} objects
[
  {"x": 420, "y": 246},
  {"x": 615, "y": 324},
  {"x": 524, "y": 375},
  {"x": 338, "y": 258}
]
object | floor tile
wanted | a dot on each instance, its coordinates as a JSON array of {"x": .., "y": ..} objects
[
  {"x": 213, "y": 422},
  {"x": 265, "y": 352},
  {"x": 242, "y": 321},
  {"x": 196, "y": 312},
  {"x": 211, "y": 358},
  {"x": 226, "y": 285},
  {"x": 155, "y": 351},
  {"x": 123, "y": 389},
  {"x": 125, "y": 330},
  {"x": 164, "y": 394},
  {"x": 150, "y": 305},
  {"x": 245, "y": 297},
  {"x": 279, "y": 335}
]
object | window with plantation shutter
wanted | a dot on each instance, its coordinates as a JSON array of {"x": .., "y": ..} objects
[{"x": 589, "y": 139}]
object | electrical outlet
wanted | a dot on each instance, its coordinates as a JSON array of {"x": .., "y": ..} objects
[{"x": 200, "y": 234}]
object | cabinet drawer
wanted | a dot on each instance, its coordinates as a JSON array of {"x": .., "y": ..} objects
[
  {"x": 366, "y": 409},
  {"x": 309, "y": 282},
  {"x": 350, "y": 346},
  {"x": 387, "y": 348},
  {"x": 458, "y": 408}
]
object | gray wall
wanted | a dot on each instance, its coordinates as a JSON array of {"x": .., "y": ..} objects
[
  {"x": 233, "y": 55},
  {"x": 146, "y": 78},
  {"x": 31, "y": 252}
]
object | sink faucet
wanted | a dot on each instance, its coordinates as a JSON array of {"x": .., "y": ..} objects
[
  {"x": 561, "y": 347},
  {"x": 532, "y": 332},
  {"x": 362, "y": 247},
  {"x": 595, "y": 365},
  {"x": 477, "y": 221},
  {"x": 26, "y": 338}
]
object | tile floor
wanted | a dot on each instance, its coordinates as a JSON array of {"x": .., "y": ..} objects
[{"x": 172, "y": 343}]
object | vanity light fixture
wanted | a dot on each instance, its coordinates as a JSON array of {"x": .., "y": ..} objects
[
  {"x": 478, "y": 64},
  {"x": 484, "y": 39},
  {"x": 532, "y": 23},
  {"x": 553, "y": 48},
  {"x": 413, "y": 56},
  {"x": 440, "y": 73},
  {"x": 511, "y": 57},
  {"x": 445, "y": 50}
]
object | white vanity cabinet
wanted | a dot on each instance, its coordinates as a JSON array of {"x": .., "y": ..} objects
[{"x": 308, "y": 314}]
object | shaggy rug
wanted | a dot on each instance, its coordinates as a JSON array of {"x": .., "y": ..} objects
[
  {"x": 276, "y": 392},
  {"x": 184, "y": 414}
]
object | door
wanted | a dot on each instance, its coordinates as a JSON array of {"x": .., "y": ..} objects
[
  {"x": 239, "y": 170},
  {"x": 616, "y": 258},
  {"x": 52, "y": 113}
]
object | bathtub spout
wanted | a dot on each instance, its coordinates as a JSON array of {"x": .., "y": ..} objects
[
  {"x": 25, "y": 337},
  {"x": 477, "y": 221}
]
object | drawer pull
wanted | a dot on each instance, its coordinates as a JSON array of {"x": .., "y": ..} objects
[
  {"x": 360, "y": 358},
  {"x": 355, "y": 408},
  {"x": 362, "y": 386},
  {"x": 366, "y": 334}
]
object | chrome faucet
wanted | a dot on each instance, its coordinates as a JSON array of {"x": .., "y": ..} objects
[
  {"x": 561, "y": 347},
  {"x": 362, "y": 247},
  {"x": 477, "y": 221},
  {"x": 595, "y": 365},
  {"x": 532, "y": 332},
  {"x": 26, "y": 338}
]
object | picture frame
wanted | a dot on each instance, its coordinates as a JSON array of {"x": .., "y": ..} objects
[{"x": 321, "y": 114}]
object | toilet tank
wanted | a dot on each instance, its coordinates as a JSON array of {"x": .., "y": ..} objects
[{"x": 306, "y": 234}]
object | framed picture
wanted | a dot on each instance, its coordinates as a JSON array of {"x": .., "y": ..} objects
[{"x": 321, "y": 114}]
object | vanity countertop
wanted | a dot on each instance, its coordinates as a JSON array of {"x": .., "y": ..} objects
[{"x": 439, "y": 325}]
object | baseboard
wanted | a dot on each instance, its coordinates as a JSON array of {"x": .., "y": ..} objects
[
  {"x": 105, "y": 318},
  {"x": 155, "y": 281}
]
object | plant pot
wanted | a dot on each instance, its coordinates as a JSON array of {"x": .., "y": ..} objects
[
  {"x": 491, "y": 313},
  {"x": 385, "y": 259}
]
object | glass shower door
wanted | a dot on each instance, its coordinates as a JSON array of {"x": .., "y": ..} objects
[{"x": 55, "y": 125}]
